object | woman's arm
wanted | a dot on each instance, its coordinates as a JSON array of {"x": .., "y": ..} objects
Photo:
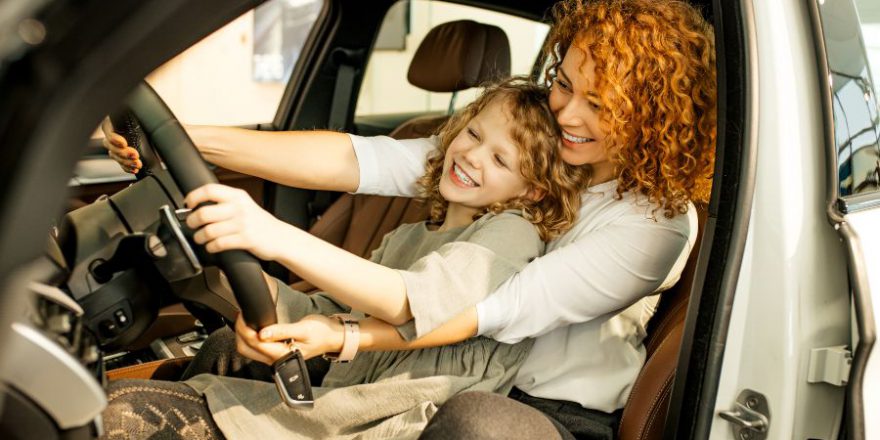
[
  {"x": 324, "y": 160},
  {"x": 601, "y": 272},
  {"x": 305, "y": 159}
]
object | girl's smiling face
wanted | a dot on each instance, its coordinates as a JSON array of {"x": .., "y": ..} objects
[
  {"x": 482, "y": 165},
  {"x": 576, "y": 105}
]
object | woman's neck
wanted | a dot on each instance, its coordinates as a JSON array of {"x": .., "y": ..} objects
[
  {"x": 602, "y": 173},
  {"x": 456, "y": 216}
]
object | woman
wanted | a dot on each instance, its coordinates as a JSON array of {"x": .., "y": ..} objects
[{"x": 633, "y": 88}]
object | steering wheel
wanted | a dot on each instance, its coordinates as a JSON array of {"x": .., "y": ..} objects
[{"x": 152, "y": 118}]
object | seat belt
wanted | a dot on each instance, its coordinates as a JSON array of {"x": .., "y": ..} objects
[{"x": 348, "y": 61}]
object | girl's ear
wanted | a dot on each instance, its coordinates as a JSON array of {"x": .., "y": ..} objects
[{"x": 535, "y": 194}]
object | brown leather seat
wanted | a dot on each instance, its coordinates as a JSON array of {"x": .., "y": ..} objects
[{"x": 644, "y": 415}]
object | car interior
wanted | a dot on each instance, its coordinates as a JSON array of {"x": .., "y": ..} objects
[{"x": 145, "y": 298}]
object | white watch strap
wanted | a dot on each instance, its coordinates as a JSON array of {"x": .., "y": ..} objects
[{"x": 351, "y": 339}]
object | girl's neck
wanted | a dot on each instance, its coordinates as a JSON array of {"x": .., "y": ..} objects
[{"x": 457, "y": 216}]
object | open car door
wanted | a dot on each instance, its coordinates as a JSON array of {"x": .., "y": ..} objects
[{"x": 852, "y": 138}]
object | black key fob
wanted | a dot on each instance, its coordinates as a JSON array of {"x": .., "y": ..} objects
[{"x": 292, "y": 380}]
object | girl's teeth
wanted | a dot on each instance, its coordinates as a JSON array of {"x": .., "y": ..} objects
[{"x": 462, "y": 176}]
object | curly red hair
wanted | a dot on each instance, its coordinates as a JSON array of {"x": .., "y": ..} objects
[{"x": 655, "y": 77}]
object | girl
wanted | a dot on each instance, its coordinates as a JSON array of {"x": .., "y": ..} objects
[
  {"x": 633, "y": 89},
  {"x": 489, "y": 183}
]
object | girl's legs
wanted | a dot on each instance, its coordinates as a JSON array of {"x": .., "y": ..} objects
[{"x": 139, "y": 409}]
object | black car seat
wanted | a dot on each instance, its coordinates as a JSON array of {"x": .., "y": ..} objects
[{"x": 454, "y": 56}]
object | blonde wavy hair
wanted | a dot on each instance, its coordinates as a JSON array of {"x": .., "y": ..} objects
[
  {"x": 655, "y": 77},
  {"x": 536, "y": 135}
]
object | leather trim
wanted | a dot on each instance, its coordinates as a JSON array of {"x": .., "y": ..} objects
[
  {"x": 663, "y": 398},
  {"x": 649, "y": 400},
  {"x": 166, "y": 369}
]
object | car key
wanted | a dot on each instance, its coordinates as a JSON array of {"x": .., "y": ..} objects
[{"x": 292, "y": 380}]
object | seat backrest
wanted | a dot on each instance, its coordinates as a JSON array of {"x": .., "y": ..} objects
[
  {"x": 644, "y": 415},
  {"x": 453, "y": 56}
]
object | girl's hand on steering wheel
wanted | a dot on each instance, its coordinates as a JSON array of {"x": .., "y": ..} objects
[
  {"x": 314, "y": 335},
  {"x": 118, "y": 149},
  {"x": 234, "y": 221}
]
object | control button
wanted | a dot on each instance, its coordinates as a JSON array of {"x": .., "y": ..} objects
[
  {"x": 108, "y": 328},
  {"x": 121, "y": 319}
]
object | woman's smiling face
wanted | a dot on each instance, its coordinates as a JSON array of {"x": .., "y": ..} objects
[
  {"x": 482, "y": 163},
  {"x": 576, "y": 105}
]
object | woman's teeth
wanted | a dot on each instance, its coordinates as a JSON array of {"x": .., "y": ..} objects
[
  {"x": 575, "y": 139},
  {"x": 463, "y": 176}
]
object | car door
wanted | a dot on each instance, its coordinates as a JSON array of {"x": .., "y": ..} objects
[
  {"x": 853, "y": 139},
  {"x": 792, "y": 367}
]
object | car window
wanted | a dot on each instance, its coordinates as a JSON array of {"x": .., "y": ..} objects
[
  {"x": 852, "y": 56},
  {"x": 869, "y": 18},
  {"x": 237, "y": 75},
  {"x": 385, "y": 88}
]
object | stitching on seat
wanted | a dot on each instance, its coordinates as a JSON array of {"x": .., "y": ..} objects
[
  {"x": 654, "y": 411},
  {"x": 638, "y": 383}
]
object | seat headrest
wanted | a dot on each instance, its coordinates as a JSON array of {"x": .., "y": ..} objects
[{"x": 459, "y": 55}]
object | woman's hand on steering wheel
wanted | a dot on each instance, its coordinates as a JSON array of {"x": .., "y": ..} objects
[
  {"x": 230, "y": 219},
  {"x": 117, "y": 147},
  {"x": 314, "y": 335}
]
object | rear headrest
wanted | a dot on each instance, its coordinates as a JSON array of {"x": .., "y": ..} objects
[{"x": 459, "y": 55}]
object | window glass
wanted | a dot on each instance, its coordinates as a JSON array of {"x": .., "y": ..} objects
[
  {"x": 869, "y": 16},
  {"x": 852, "y": 55},
  {"x": 237, "y": 75},
  {"x": 385, "y": 88}
]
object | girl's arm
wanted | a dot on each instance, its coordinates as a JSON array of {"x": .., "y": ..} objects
[
  {"x": 234, "y": 221},
  {"x": 359, "y": 283},
  {"x": 318, "y": 334}
]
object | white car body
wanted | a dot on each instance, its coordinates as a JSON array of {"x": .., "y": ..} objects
[{"x": 793, "y": 291}]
